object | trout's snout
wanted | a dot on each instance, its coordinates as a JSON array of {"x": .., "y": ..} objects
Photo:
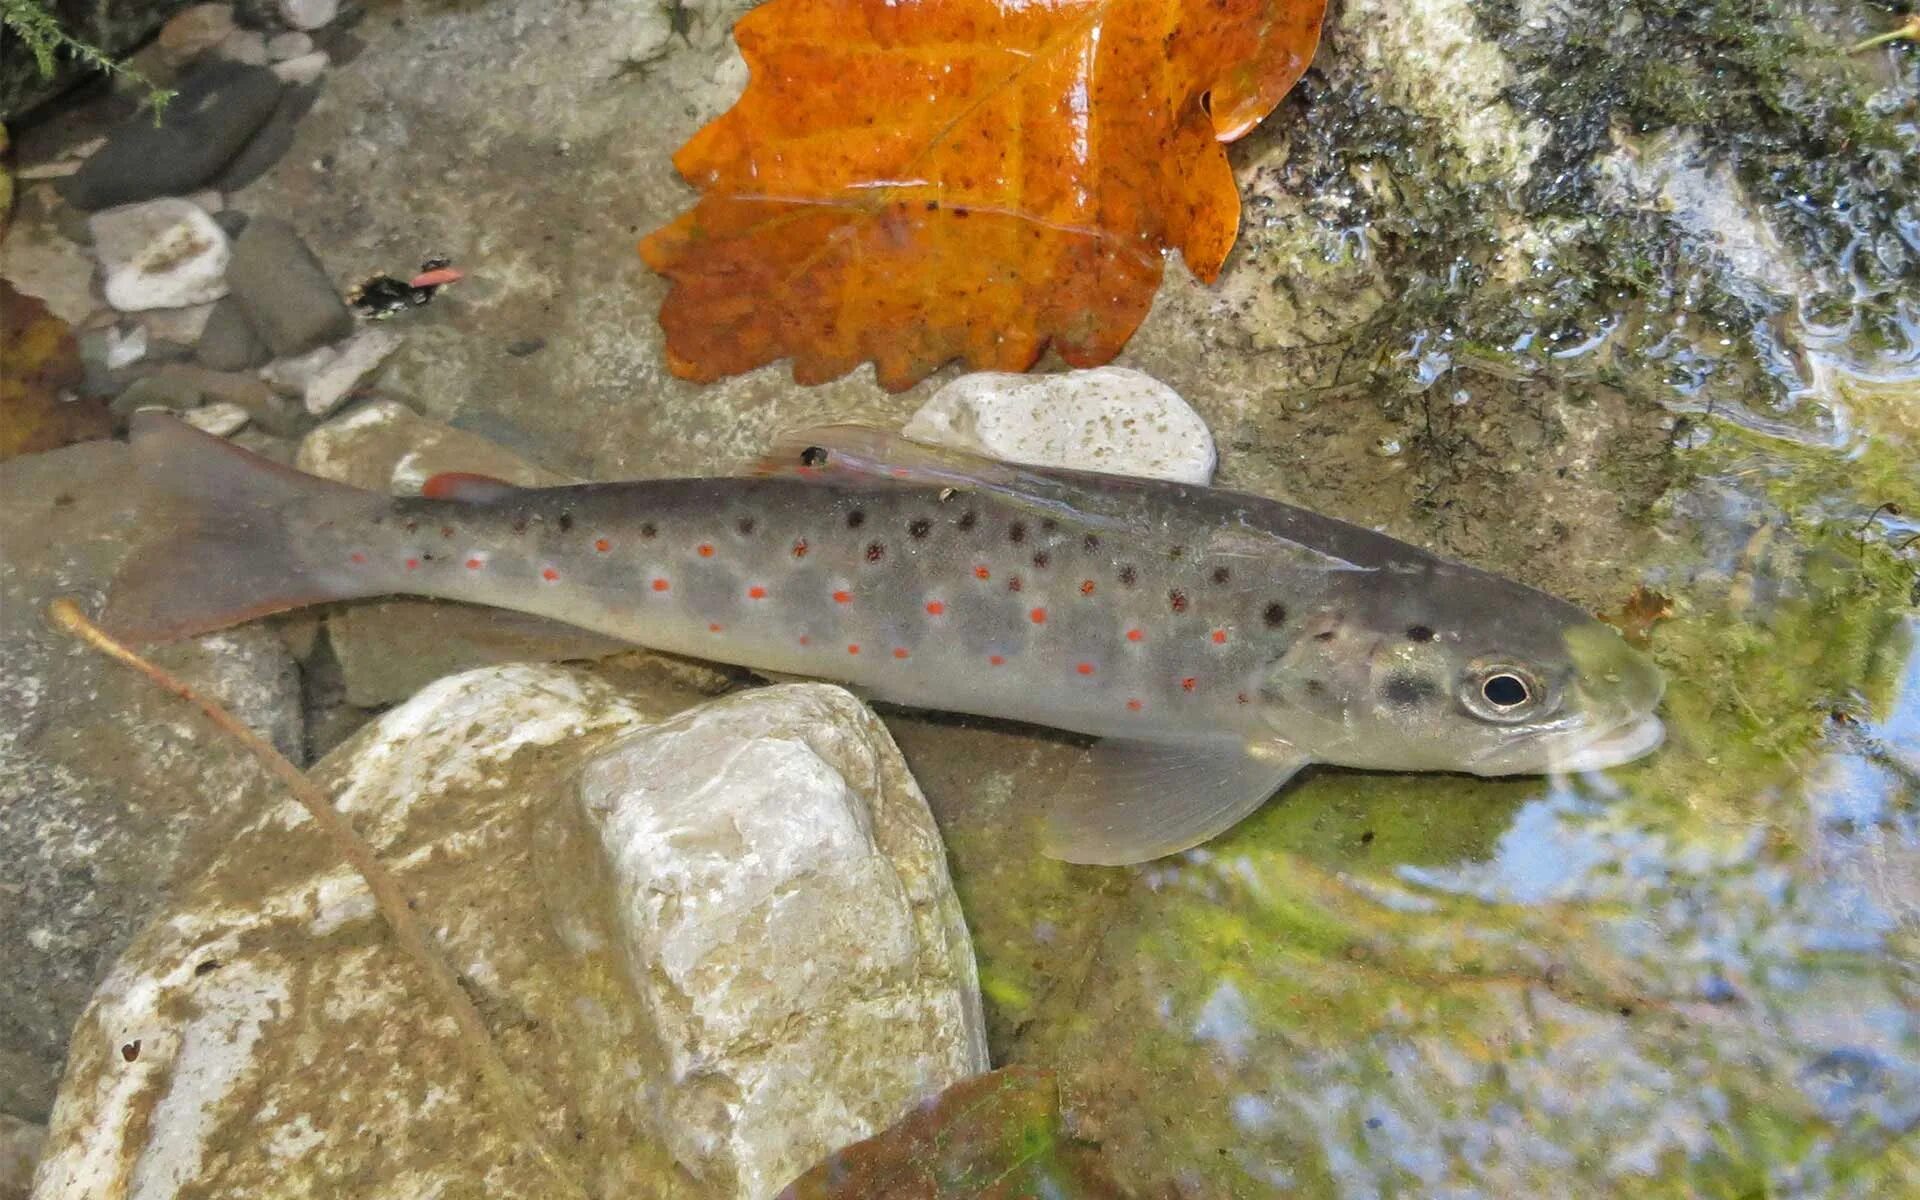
[{"x": 1608, "y": 719}]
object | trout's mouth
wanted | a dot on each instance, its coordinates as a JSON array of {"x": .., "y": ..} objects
[{"x": 1617, "y": 746}]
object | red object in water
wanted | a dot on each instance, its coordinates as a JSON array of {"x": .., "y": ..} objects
[{"x": 436, "y": 277}]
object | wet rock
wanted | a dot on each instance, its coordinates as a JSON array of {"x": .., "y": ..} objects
[
  {"x": 229, "y": 341},
  {"x": 274, "y": 413},
  {"x": 292, "y": 44},
  {"x": 390, "y": 649},
  {"x": 184, "y": 325},
  {"x": 308, "y": 14},
  {"x": 1107, "y": 419},
  {"x": 219, "y": 419},
  {"x": 334, "y": 378},
  {"x": 302, "y": 70},
  {"x": 194, "y": 30},
  {"x": 387, "y": 447},
  {"x": 111, "y": 791},
  {"x": 159, "y": 390},
  {"x": 267, "y": 146},
  {"x": 245, "y": 46},
  {"x": 725, "y": 945},
  {"x": 285, "y": 290},
  {"x": 125, "y": 346},
  {"x": 20, "y": 1143},
  {"x": 161, "y": 254},
  {"x": 220, "y": 106},
  {"x": 39, "y": 260},
  {"x": 232, "y": 220}
]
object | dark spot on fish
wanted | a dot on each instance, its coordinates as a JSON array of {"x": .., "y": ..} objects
[
  {"x": 446, "y": 531},
  {"x": 1313, "y": 687},
  {"x": 1366, "y": 839},
  {"x": 426, "y": 556},
  {"x": 1049, "y": 525},
  {"x": 856, "y": 519},
  {"x": 1013, "y": 583},
  {"x": 1221, "y": 574},
  {"x": 1042, "y": 559},
  {"x": 1419, "y": 633},
  {"x": 813, "y": 456},
  {"x": 1408, "y": 690},
  {"x": 875, "y": 552},
  {"x": 919, "y": 528},
  {"x": 800, "y": 548},
  {"x": 647, "y": 529},
  {"x": 1178, "y": 599},
  {"x": 745, "y": 525},
  {"x": 131, "y": 1050},
  {"x": 1177, "y": 553},
  {"x": 63, "y": 499},
  {"x": 1325, "y": 635},
  {"x": 1128, "y": 575},
  {"x": 206, "y": 966},
  {"x": 520, "y": 524},
  {"x": 1017, "y": 533},
  {"x": 967, "y": 520},
  {"x": 566, "y": 522},
  {"x": 1275, "y": 615},
  {"x": 412, "y": 525},
  {"x": 1091, "y": 542}
]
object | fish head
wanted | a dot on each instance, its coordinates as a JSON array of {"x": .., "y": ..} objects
[{"x": 1452, "y": 669}]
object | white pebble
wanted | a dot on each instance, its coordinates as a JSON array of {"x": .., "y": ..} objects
[
  {"x": 164, "y": 253},
  {"x": 126, "y": 347},
  {"x": 221, "y": 419},
  {"x": 1110, "y": 419},
  {"x": 357, "y": 356},
  {"x": 247, "y": 46},
  {"x": 305, "y": 69},
  {"x": 308, "y": 14},
  {"x": 292, "y": 44}
]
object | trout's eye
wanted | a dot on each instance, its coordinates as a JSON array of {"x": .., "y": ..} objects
[{"x": 1501, "y": 693}]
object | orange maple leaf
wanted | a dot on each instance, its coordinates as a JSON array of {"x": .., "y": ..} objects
[{"x": 913, "y": 181}]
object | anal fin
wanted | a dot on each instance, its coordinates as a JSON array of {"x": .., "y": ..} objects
[{"x": 1141, "y": 800}]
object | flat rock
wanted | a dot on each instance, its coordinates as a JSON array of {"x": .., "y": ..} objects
[
  {"x": 266, "y": 147},
  {"x": 163, "y": 253},
  {"x": 183, "y": 325},
  {"x": 245, "y": 46},
  {"x": 111, "y": 791},
  {"x": 286, "y": 292},
  {"x": 219, "y": 107},
  {"x": 228, "y": 341},
  {"x": 221, "y": 419},
  {"x": 356, "y": 358},
  {"x": 39, "y": 260},
  {"x": 1111, "y": 419},
  {"x": 769, "y": 851}
]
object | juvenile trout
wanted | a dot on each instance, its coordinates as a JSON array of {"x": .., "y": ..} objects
[{"x": 1217, "y": 642}]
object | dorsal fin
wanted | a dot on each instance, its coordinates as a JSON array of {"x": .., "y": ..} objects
[{"x": 466, "y": 487}]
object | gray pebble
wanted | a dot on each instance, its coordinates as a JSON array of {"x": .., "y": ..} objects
[
  {"x": 230, "y": 342},
  {"x": 285, "y": 291},
  {"x": 220, "y": 107}
]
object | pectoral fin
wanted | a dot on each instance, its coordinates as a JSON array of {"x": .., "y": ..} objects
[{"x": 1140, "y": 800}]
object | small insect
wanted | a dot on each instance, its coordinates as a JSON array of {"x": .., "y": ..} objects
[{"x": 382, "y": 296}]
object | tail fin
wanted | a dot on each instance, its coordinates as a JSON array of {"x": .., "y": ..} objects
[{"x": 232, "y": 558}]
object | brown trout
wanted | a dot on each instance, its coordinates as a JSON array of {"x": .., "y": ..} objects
[{"x": 1216, "y": 642}]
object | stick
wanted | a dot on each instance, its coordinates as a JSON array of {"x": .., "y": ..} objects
[{"x": 474, "y": 1040}]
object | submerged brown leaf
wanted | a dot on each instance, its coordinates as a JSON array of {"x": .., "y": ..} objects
[
  {"x": 993, "y": 1137},
  {"x": 1639, "y": 613},
  {"x": 39, "y": 363}
]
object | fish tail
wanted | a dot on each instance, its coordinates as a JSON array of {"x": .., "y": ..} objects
[{"x": 232, "y": 556}]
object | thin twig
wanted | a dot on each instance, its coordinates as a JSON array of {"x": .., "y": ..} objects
[
  {"x": 474, "y": 1041},
  {"x": 1910, "y": 32}
]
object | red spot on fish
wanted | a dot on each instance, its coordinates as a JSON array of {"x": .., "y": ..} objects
[
  {"x": 661, "y": 585},
  {"x": 757, "y": 592},
  {"x": 358, "y": 557},
  {"x": 706, "y": 551},
  {"x": 602, "y": 545},
  {"x": 1189, "y": 683},
  {"x": 474, "y": 564},
  {"x": 982, "y": 573},
  {"x": 854, "y": 648},
  {"x": 1038, "y": 616},
  {"x": 935, "y": 608},
  {"x": 1136, "y": 635},
  {"x": 800, "y": 548},
  {"x": 413, "y": 564},
  {"x": 712, "y": 628},
  {"x": 843, "y": 597},
  {"x": 997, "y": 660},
  {"x": 451, "y": 485},
  {"x": 1086, "y": 587},
  {"x": 899, "y": 651},
  {"x": 1219, "y": 637},
  {"x": 549, "y": 574},
  {"x": 1085, "y": 668},
  {"x": 1134, "y": 706},
  {"x": 1242, "y": 697},
  {"x": 899, "y": 472},
  {"x": 805, "y": 640},
  {"x": 446, "y": 531}
]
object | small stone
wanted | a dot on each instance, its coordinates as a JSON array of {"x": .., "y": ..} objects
[
  {"x": 160, "y": 254},
  {"x": 357, "y": 358},
  {"x": 40, "y": 262},
  {"x": 247, "y": 46},
  {"x": 1110, "y": 419},
  {"x": 285, "y": 290},
  {"x": 302, "y": 70},
  {"x": 178, "y": 324},
  {"x": 290, "y": 376},
  {"x": 196, "y": 29},
  {"x": 229, "y": 342},
  {"x": 163, "y": 350},
  {"x": 158, "y": 390},
  {"x": 220, "y": 106},
  {"x": 271, "y": 411},
  {"x": 218, "y": 419},
  {"x": 126, "y": 346},
  {"x": 292, "y": 44},
  {"x": 526, "y": 347},
  {"x": 308, "y": 14}
]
